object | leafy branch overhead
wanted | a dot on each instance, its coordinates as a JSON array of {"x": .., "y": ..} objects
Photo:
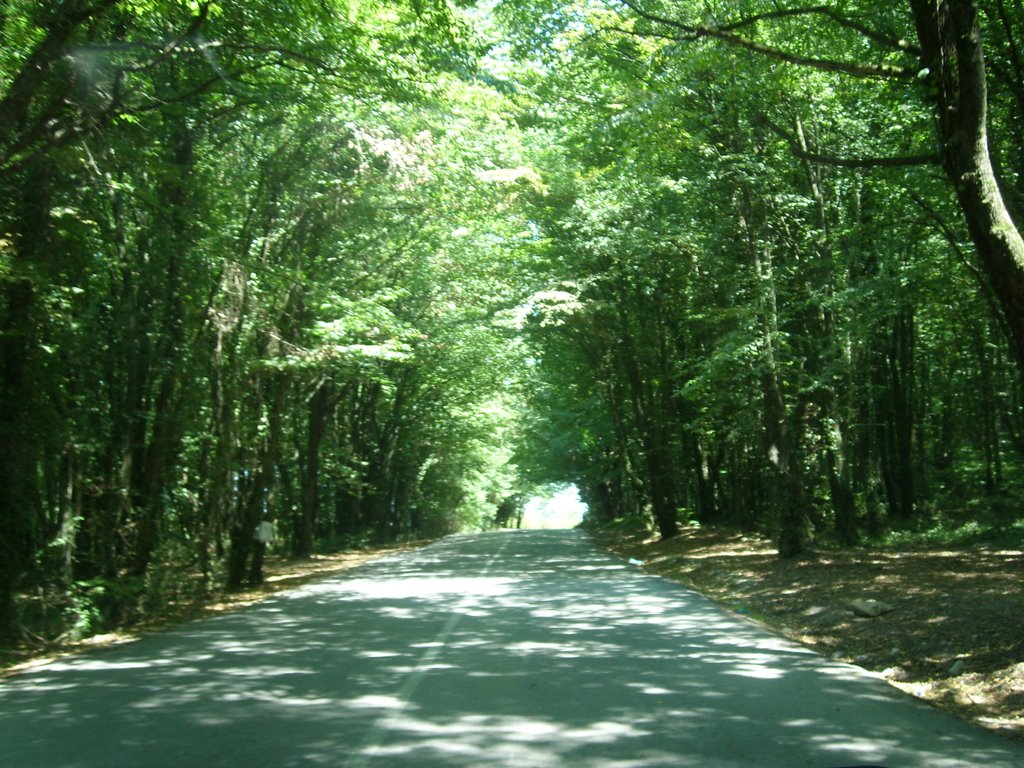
[{"x": 733, "y": 33}]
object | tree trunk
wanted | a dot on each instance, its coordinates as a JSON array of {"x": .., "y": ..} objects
[
  {"x": 22, "y": 402},
  {"x": 255, "y": 494},
  {"x": 661, "y": 489},
  {"x": 897, "y": 424},
  {"x": 631, "y": 489},
  {"x": 792, "y": 527},
  {"x": 175, "y": 240},
  {"x": 306, "y": 524},
  {"x": 707, "y": 509},
  {"x": 952, "y": 53},
  {"x": 19, "y": 499}
]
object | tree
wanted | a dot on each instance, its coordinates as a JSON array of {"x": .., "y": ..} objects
[
  {"x": 227, "y": 222},
  {"x": 803, "y": 321},
  {"x": 950, "y": 65}
]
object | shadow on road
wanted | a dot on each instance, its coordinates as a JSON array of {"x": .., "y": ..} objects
[{"x": 510, "y": 649}]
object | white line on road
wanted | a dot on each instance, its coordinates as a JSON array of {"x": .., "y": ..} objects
[{"x": 387, "y": 721}]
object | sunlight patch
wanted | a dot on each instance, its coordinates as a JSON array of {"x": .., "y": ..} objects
[
  {"x": 415, "y": 587},
  {"x": 98, "y": 666},
  {"x": 375, "y": 702}
]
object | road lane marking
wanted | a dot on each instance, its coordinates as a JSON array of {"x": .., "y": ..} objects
[{"x": 387, "y": 721}]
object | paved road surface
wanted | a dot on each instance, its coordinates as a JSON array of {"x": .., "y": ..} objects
[{"x": 524, "y": 649}]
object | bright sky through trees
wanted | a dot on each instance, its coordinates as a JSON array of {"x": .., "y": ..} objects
[{"x": 559, "y": 507}]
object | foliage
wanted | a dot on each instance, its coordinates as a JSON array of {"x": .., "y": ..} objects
[
  {"x": 376, "y": 270},
  {"x": 775, "y": 299},
  {"x": 250, "y": 271}
]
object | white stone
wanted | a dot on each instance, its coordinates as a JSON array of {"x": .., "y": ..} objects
[{"x": 869, "y": 609}]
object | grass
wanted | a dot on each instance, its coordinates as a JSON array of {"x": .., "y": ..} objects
[{"x": 945, "y": 531}]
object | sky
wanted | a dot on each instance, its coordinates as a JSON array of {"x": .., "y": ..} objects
[{"x": 559, "y": 508}]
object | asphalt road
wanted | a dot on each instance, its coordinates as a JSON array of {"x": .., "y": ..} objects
[{"x": 526, "y": 649}]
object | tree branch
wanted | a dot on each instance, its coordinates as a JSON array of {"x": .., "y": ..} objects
[
  {"x": 954, "y": 243},
  {"x": 285, "y": 53},
  {"x": 850, "y": 162},
  {"x": 16, "y": 103},
  {"x": 831, "y": 15},
  {"x": 868, "y": 162},
  {"x": 167, "y": 50},
  {"x": 692, "y": 31},
  {"x": 1016, "y": 82}
]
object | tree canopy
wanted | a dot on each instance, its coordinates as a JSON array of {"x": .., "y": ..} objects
[{"x": 374, "y": 270}]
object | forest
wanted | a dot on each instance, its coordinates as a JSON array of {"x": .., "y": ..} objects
[{"x": 375, "y": 270}]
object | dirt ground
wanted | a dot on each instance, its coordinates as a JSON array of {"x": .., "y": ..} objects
[{"x": 954, "y": 636}]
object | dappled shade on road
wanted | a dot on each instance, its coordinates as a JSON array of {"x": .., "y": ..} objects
[{"x": 508, "y": 649}]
